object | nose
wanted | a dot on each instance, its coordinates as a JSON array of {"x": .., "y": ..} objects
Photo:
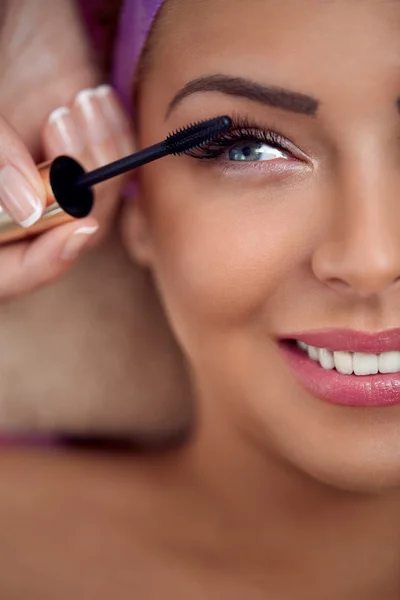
[{"x": 360, "y": 253}]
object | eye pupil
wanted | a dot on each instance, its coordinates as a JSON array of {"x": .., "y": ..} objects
[
  {"x": 246, "y": 151},
  {"x": 249, "y": 151}
]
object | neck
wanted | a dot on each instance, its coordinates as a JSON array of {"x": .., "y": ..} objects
[{"x": 282, "y": 527}]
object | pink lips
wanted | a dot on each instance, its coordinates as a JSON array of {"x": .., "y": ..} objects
[{"x": 349, "y": 390}]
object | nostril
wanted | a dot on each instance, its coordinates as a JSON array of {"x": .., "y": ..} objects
[{"x": 339, "y": 285}]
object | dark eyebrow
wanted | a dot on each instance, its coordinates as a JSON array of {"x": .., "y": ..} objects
[{"x": 246, "y": 88}]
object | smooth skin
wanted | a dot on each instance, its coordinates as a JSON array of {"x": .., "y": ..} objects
[
  {"x": 232, "y": 244},
  {"x": 245, "y": 254},
  {"x": 278, "y": 495}
]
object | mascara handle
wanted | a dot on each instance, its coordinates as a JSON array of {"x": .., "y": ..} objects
[{"x": 63, "y": 204}]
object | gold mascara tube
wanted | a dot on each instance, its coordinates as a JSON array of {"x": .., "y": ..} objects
[{"x": 63, "y": 203}]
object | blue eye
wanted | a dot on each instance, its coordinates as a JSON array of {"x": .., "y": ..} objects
[
  {"x": 255, "y": 151},
  {"x": 245, "y": 143}
]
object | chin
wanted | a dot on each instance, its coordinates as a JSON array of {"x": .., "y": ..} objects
[
  {"x": 358, "y": 478},
  {"x": 361, "y": 467},
  {"x": 353, "y": 449}
]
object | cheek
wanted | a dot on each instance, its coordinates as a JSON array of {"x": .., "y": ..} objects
[{"x": 222, "y": 252}]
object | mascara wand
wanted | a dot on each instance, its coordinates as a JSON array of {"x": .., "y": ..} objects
[
  {"x": 68, "y": 185},
  {"x": 177, "y": 143},
  {"x": 72, "y": 185}
]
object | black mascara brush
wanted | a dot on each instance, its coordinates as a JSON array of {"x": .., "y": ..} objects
[
  {"x": 69, "y": 187},
  {"x": 177, "y": 143}
]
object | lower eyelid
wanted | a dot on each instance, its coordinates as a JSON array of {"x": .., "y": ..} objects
[{"x": 274, "y": 168}]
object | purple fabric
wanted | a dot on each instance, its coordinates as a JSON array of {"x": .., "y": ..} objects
[
  {"x": 89, "y": 9},
  {"x": 135, "y": 22}
]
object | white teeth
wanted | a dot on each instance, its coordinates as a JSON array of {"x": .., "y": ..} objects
[
  {"x": 389, "y": 362},
  {"x": 343, "y": 362},
  {"x": 365, "y": 364},
  {"x": 359, "y": 363},
  {"x": 326, "y": 359},
  {"x": 313, "y": 353}
]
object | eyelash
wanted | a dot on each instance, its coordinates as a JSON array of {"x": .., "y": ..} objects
[{"x": 243, "y": 130}]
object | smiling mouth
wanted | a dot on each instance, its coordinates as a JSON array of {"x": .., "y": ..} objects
[
  {"x": 350, "y": 376},
  {"x": 352, "y": 363}
]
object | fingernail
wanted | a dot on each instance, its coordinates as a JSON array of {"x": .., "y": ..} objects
[
  {"x": 77, "y": 242},
  {"x": 91, "y": 117},
  {"x": 65, "y": 135},
  {"x": 111, "y": 108},
  {"x": 18, "y": 197}
]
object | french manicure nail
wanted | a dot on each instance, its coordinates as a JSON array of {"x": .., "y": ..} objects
[
  {"x": 111, "y": 108},
  {"x": 77, "y": 242},
  {"x": 66, "y": 137},
  {"x": 91, "y": 116},
  {"x": 18, "y": 197}
]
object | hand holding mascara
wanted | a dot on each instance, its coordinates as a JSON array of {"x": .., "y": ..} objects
[{"x": 69, "y": 187}]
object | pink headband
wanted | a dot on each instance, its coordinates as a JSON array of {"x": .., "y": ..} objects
[{"x": 136, "y": 19}]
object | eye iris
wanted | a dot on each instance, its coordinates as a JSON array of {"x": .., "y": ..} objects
[{"x": 254, "y": 151}]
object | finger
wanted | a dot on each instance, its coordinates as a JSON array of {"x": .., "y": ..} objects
[
  {"x": 109, "y": 137},
  {"x": 62, "y": 136},
  {"x": 22, "y": 193},
  {"x": 94, "y": 137},
  {"x": 29, "y": 265},
  {"x": 116, "y": 116}
]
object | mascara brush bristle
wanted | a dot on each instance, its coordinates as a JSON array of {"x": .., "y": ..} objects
[
  {"x": 222, "y": 122},
  {"x": 195, "y": 142},
  {"x": 192, "y": 128},
  {"x": 195, "y": 136}
]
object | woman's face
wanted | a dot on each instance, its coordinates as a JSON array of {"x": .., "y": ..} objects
[{"x": 293, "y": 233}]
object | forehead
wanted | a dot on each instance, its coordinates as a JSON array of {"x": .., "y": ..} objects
[
  {"x": 306, "y": 43},
  {"x": 205, "y": 19}
]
